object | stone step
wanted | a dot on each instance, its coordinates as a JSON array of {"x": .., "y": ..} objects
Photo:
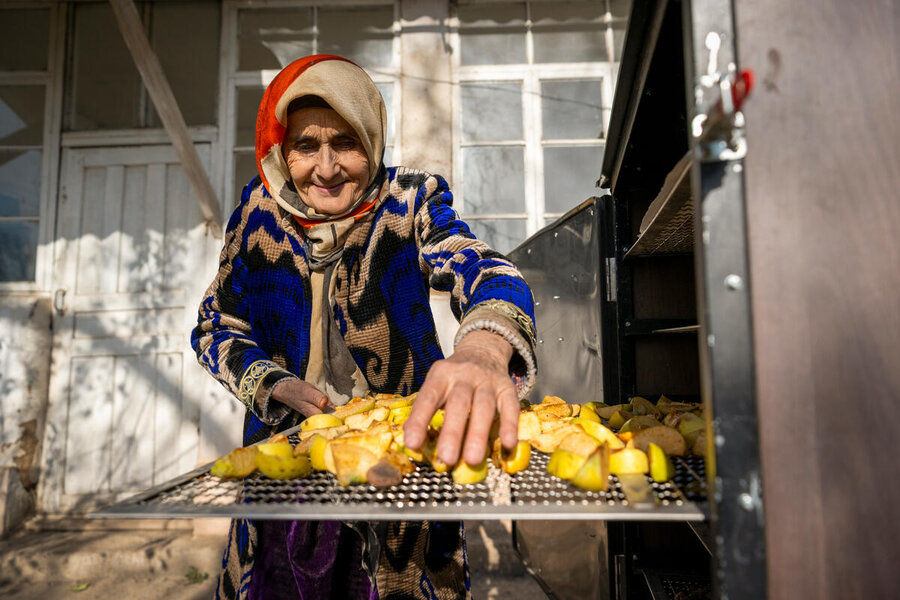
[{"x": 93, "y": 555}]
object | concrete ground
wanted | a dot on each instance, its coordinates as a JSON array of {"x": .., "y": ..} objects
[{"x": 83, "y": 560}]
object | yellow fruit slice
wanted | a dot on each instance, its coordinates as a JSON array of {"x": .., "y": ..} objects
[
  {"x": 599, "y": 432},
  {"x": 351, "y": 462},
  {"x": 579, "y": 443},
  {"x": 320, "y": 421},
  {"x": 588, "y": 414},
  {"x": 627, "y": 461},
  {"x": 399, "y": 415},
  {"x": 317, "y": 447},
  {"x": 429, "y": 452},
  {"x": 466, "y": 474},
  {"x": 408, "y": 401},
  {"x": 437, "y": 420},
  {"x": 594, "y": 473},
  {"x": 619, "y": 418},
  {"x": 668, "y": 439},
  {"x": 638, "y": 423},
  {"x": 552, "y": 400},
  {"x": 278, "y": 467},
  {"x": 529, "y": 425},
  {"x": 511, "y": 461},
  {"x": 354, "y": 408},
  {"x": 282, "y": 449},
  {"x": 661, "y": 467},
  {"x": 564, "y": 464},
  {"x": 240, "y": 462}
]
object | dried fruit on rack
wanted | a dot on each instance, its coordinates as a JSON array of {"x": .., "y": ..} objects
[
  {"x": 465, "y": 474},
  {"x": 564, "y": 463},
  {"x": 511, "y": 461},
  {"x": 627, "y": 461},
  {"x": 355, "y": 406},
  {"x": 320, "y": 421},
  {"x": 529, "y": 426},
  {"x": 351, "y": 462},
  {"x": 276, "y": 466},
  {"x": 594, "y": 473},
  {"x": 599, "y": 432},
  {"x": 240, "y": 462},
  {"x": 548, "y": 442},
  {"x": 671, "y": 442},
  {"x": 661, "y": 467}
]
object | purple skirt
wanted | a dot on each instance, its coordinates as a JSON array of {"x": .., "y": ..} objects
[{"x": 309, "y": 560}]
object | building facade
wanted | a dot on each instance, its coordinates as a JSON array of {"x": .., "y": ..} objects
[{"x": 106, "y": 248}]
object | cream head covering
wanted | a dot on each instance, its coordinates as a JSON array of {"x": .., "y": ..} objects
[{"x": 350, "y": 91}]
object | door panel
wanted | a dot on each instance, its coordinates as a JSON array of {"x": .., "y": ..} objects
[{"x": 131, "y": 262}]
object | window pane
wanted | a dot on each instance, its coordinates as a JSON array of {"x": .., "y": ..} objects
[
  {"x": 22, "y": 114},
  {"x": 24, "y": 34},
  {"x": 491, "y": 111},
  {"x": 493, "y": 180},
  {"x": 248, "y": 100},
  {"x": 569, "y": 176},
  {"x": 244, "y": 171},
  {"x": 271, "y": 39},
  {"x": 571, "y": 109},
  {"x": 20, "y": 183},
  {"x": 569, "y": 32},
  {"x": 18, "y": 250},
  {"x": 500, "y": 234},
  {"x": 387, "y": 92},
  {"x": 365, "y": 36},
  {"x": 104, "y": 82},
  {"x": 492, "y": 34},
  {"x": 188, "y": 29}
]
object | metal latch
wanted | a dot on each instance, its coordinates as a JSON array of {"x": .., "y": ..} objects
[{"x": 718, "y": 125}]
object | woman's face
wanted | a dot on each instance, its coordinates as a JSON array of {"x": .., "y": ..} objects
[{"x": 326, "y": 159}]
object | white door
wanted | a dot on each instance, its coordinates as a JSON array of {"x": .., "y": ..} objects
[{"x": 131, "y": 263}]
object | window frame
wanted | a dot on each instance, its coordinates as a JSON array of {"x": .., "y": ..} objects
[
  {"x": 52, "y": 80},
  {"x": 531, "y": 75}
]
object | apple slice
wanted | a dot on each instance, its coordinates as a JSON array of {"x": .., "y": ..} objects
[
  {"x": 661, "y": 467},
  {"x": 275, "y": 466},
  {"x": 240, "y": 462},
  {"x": 627, "y": 461},
  {"x": 594, "y": 473},
  {"x": 511, "y": 461},
  {"x": 466, "y": 474},
  {"x": 564, "y": 463},
  {"x": 320, "y": 421},
  {"x": 351, "y": 462},
  {"x": 600, "y": 432},
  {"x": 529, "y": 426},
  {"x": 671, "y": 442}
]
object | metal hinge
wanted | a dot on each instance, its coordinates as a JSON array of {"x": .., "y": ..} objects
[{"x": 610, "y": 279}]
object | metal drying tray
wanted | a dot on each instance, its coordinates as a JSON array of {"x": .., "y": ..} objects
[{"x": 423, "y": 495}]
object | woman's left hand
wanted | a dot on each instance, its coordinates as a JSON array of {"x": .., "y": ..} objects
[{"x": 472, "y": 386}]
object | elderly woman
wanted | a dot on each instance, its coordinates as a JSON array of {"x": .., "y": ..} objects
[{"x": 322, "y": 294}]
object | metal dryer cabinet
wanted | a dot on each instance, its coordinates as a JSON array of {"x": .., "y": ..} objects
[{"x": 748, "y": 254}]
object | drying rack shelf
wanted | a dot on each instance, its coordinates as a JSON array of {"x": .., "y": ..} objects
[{"x": 423, "y": 495}]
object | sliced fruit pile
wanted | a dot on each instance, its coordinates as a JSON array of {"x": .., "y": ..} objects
[
  {"x": 586, "y": 452},
  {"x": 362, "y": 442}
]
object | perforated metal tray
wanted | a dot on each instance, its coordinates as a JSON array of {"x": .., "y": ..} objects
[{"x": 423, "y": 495}]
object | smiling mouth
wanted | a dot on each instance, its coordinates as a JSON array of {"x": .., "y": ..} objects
[{"x": 330, "y": 190}]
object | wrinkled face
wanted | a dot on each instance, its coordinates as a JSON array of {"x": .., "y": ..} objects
[{"x": 326, "y": 159}]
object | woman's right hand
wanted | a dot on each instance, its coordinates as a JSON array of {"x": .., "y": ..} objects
[{"x": 301, "y": 396}]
